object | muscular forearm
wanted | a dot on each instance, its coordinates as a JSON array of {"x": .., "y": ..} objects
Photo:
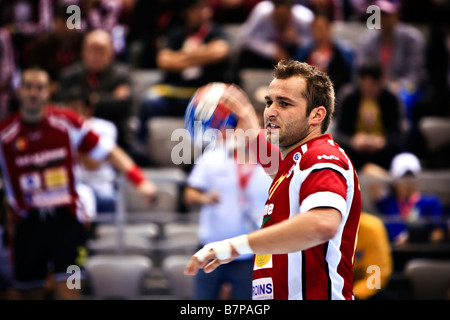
[{"x": 301, "y": 232}]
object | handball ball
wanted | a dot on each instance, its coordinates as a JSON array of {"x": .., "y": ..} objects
[{"x": 204, "y": 111}]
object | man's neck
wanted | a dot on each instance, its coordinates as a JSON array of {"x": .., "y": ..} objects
[
  {"x": 32, "y": 119},
  {"x": 286, "y": 150}
]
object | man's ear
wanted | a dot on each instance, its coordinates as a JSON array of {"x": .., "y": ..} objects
[{"x": 317, "y": 115}]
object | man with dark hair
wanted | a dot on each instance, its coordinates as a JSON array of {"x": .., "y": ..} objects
[
  {"x": 190, "y": 55},
  {"x": 46, "y": 221},
  {"x": 273, "y": 31},
  {"x": 369, "y": 121},
  {"x": 306, "y": 245},
  {"x": 329, "y": 54},
  {"x": 107, "y": 83}
]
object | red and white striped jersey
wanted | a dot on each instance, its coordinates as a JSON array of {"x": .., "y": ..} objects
[
  {"x": 316, "y": 174},
  {"x": 38, "y": 161}
]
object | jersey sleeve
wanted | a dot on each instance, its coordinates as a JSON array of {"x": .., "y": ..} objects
[
  {"x": 324, "y": 188},
  {"x": 95, "y": 146},
  {"x": 325, "y": 183},
  {"x": 83, "y": 137}
]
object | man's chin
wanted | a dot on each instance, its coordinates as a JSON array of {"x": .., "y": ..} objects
[{"x": 32, "y": 115}]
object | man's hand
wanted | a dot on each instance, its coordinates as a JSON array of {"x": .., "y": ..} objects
[
  {"x": 212, "y": 197},
  {"x": 235, "y": 99},
  {"x": 207, "y": 260},
  {"x": 216, "y": 253},
  {"x": 148, "y": 191}
]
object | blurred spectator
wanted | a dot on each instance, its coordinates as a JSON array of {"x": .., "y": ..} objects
[
  {"x": 329, "y": 55},
  {"x": 45, "y": 221},
  {"x": 369, "y": 120},
  {"x": 231, "y": 190},
  {"x": 400, "y": 49},
  {"x": 273, "y": 31},
  {"x": 191, "y": 55},
  {"x": 150, "y": 20},
  {"x": 7, "y": 73},
  {"x": 58, "y": 49},
  {"x": 232, "y": 11},
  {"x": 100, "y": 177},
  {"x": 107, "y": 83},
  {"x": 437, "y": 99},
  {"x": 409, "y": 215},
  {"x": 373, "y": 250},
  {"x": 106, "y": 15}
]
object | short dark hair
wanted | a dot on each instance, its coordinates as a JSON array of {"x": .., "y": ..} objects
[
  {"x": 319, "y": 88},
  {"x": 36, "y": 69},
  {"x": 372, "y": 70}
]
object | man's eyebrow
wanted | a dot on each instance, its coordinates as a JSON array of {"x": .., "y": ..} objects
[{"x": 279, "y": 98}]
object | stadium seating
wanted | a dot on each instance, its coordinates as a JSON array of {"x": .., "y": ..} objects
[{"x": 117, "y": 276}]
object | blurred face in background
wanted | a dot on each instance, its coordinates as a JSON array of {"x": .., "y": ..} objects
[
  {"x": 321, "y": 29},
  {"x": 282, "y": 15},
  {"x": 370, "y": 87},
  {"x": 198, "y": 14},
  {"x": 98, "y": 51},
  {"x": 405, "y": 186},
  {"x": 34, "y": 93}
]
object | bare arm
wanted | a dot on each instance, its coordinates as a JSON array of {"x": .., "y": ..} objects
[
  {"x": 303, "y": 231},
  {"x": 195, "y": 197},
  {"x": 267, "y": 155},
  {"x": 176, "y": 61},
  {"x": 123, "y": 162}
]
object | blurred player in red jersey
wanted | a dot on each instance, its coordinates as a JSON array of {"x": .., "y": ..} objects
[
  {"x": 306, "y": 245},
  {"x": 39, "y": 146}
]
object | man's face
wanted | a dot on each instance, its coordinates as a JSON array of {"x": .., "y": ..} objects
[
  {"x": 198, "y": 14},
  {"x": 282, "y": 16},
  {"x": 370, "y": 88},
  {"x": 321, "y": 29},
  {"x": 34, "y": 92},
  {"x": 285, "y": 113},
  {"x": 97, "y": 54}
]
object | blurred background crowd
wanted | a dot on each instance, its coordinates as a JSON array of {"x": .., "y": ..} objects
[{"x": 134, "y": 64}]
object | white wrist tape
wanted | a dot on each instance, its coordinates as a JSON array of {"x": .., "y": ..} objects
[
  {"x": 241, "y": 244},
  {"x": 222, "y": 249}
]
